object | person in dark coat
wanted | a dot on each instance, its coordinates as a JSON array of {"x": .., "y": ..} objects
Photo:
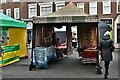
[{"x": 106, "y": 47}]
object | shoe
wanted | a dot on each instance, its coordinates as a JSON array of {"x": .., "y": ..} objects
[
  {"x": 59, "y": 58},
  {"x": 65, "y": 56},
  {"x": 98, "y": 71},
  {"x": 106, "y": 75},
  {"x": 100, "y": 67},
  {"x": 81, "y": 57}
]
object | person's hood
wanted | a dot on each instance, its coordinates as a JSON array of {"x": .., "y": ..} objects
[
  {"x": 106, "y": 33},
  {"x": 107, "y": 37}
]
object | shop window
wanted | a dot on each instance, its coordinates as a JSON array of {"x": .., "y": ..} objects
[
  {"x": 45, "y": 8},
  {"x": 81, "y": 6},
  {"x": 108, "y": 21},
  {"x": 118, "y": 34},
  {"x": 8, "y": 12},
  {"x": 106, "y": 7},
  {"x": 93, "y": 7},
  {"x": 16, "y": 13},
  {"x": 29, "y": 25},
  {"x": 118, "y": 6},
  {"x": 32, "y": 10},
  {"x": 59, "y": 5}
]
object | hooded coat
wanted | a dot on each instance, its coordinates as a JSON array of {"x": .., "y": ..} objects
[{"x": 106, "y": 47}]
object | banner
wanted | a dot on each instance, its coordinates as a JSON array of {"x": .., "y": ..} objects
[
  {"x": 10, "y": 48},
  {"x": 10, "y": 54}
]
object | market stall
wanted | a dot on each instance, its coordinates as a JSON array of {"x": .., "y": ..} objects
[
  {"x": 13, "y": 33},
  {"x": 68, "y": 16}
]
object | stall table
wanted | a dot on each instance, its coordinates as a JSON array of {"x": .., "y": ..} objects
[
  {"x": 60, "y": 50},
  {"x": 89, "y": 56},
  {"x": 41, "y": 56}
]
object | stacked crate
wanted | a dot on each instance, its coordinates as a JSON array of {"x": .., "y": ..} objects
[{"x": 41, "y": 56}]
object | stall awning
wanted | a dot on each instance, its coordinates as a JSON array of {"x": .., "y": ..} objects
[
  {"x": 6, "y": 22},
  {"x": 68, "y": 14}
]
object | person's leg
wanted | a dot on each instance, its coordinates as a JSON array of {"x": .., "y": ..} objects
[{"x": 106, "y": 68}]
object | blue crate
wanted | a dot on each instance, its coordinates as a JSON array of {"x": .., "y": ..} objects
[{"x": 41, "y": 56}]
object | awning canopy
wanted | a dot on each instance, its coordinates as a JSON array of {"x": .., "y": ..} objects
[
  {"x": 68, "y": 14},
  {"x": 6, "y": 22}
]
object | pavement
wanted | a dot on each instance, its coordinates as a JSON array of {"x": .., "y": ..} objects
[{"x": 70, "y": 67}]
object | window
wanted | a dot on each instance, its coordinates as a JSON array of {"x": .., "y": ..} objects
[
  {"x": 118, "y": 6},
  {"x": 45, "y": 8},
  {"x": 81, "y": 6},
  {"x": 15, "y": 0},
  {"x": 8, "y": 12},
  {"x": 16, "y": 13},
  {"x": 1, "y": 10},
  {"x": 3, "y": 1},
  {"x": 8, "y": 1},
  {"x": 93, "y": 7},
  {"x": 32, "y": 10},
  {"x": 106, "y": 7},
  {"x": 59, "y": 5}
]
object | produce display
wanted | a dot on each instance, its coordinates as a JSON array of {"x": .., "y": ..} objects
[{"x": 41, "y": 56}]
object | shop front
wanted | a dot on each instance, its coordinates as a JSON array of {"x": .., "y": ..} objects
[{"x": 117, "y": 32}]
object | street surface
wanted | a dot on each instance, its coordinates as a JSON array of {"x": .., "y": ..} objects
[{"x": 70, "y": 67}]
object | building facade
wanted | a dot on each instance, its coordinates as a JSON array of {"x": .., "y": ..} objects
[
  {"x": 106, "y": 10},
  {"x": 117, "y": 26}
]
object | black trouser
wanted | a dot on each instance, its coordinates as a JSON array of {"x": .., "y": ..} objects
[{"x": 106, "y": 64}]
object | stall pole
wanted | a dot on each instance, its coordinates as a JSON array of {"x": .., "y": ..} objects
[
  {"x": 32, "y": 67},
  {"x": 98, "y": 67}
]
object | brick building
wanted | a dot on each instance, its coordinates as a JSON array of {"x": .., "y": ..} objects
[{"x": 107, "y": 11}]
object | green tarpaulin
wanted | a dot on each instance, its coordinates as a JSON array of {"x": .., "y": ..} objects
[{"x": 7, "y": 22}]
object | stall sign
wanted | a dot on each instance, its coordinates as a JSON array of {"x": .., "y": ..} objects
[
  {"x": 91, "y": 18},
  {"x": 40, "y": 20},
  {"x": 10, "y": 48},
  {"x": 64, "y": 19}
]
